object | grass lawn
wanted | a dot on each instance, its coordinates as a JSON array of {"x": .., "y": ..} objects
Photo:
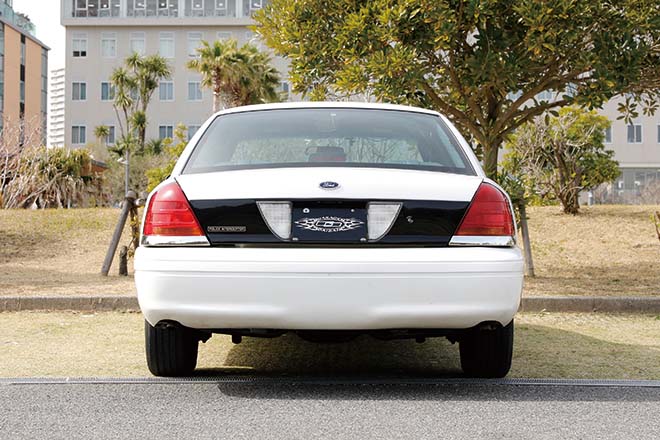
[
  {"x": 547, "y": 345},
  {"x": 606, "y": 250}
]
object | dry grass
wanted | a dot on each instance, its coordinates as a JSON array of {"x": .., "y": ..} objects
[
  {"x": 606, "y": 250},
  {"x": 58, "y": 252},
  {"x": 111, "y": 345}
]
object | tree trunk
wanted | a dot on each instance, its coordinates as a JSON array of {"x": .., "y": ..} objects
[
  {"x": 527, "y": 245},
  {"x": 217, "y": 101},
  {"x": 491, "y": 153},
  {"x": 570, "y": 201}
]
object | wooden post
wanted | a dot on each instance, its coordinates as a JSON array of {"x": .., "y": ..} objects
[
  {"x": 123, "y": 261},
  {"x": 125, "y": 210},
  {"x": 527, "y": 245}
]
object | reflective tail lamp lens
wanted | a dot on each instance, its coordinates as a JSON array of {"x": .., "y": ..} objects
[
  {"x": 380, "y": 218},
  {"x": 169, "y": 214},
  {"x": 278, "y": 217},
  {"x": 489, "y": 214}
]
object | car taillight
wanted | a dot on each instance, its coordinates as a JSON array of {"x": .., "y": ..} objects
[
  {"x": 489, "y": 215},
  {"x": 170, "y": 216}
]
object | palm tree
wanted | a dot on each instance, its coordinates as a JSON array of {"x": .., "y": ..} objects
[
  {"x": 134, "y": 84},
  {"x": 259, "y": 81},
  {"x": 148, "y": 72},
  {"x": 215, "y": 62},
  {"x": 237, "y": 76},
  {"x": 102, "y": 132}
]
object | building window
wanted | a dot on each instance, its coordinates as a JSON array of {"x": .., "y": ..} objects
[
  {"x": 659, "y": 133},
  {"x": 23, "y": 50},
  {"x": 137, "y": 43},
  {"x": 107, "y": 91},
  {"x": 140, "y": 7},
  {"x": 197, "y": 7},
  {"x": 546, "y": 95},
  {"x": 608, "y": 135},
  {"x": 285, "y": 90},
  {"x": 108, "y": 45},
  {"x": 166, "y": 44},
  {"x": 251, "y": 6},
  {"x": 96, "y": 8},
  {"x": 110, "y": 139},
  {"x": 194, "y": 42},
  {"x": 223, "y": 35},
  {"x": 22, "y": 91},
  {"x": 166, "y": 131},
  {"x": 634, "y": 134},
  {"x": 194, "y": 91},
  {"x": 79, "y": 45},
  {"x": 221, "y": 8},
  {"x": 166, "y": 91},
  {"x": 44, "y": 81},
  {"x": 192, "y": 129},
  {"x": 78, "y": 135},
  {"x": 79, "y": 91},
  {"x": 167, "y": 8}
]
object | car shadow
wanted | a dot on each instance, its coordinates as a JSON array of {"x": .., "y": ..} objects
[{"x": 369, "y": 368}]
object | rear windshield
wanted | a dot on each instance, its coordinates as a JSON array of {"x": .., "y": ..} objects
[{"x": 328, "y": 137}]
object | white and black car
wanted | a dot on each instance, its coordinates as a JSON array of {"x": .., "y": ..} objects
[{"x": 329, "y": 220}]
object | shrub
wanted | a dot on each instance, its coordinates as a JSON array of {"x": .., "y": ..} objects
[{"x": 51, "y": 178}]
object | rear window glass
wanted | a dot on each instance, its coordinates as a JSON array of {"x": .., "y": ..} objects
[{"x": 328, "y": 137}]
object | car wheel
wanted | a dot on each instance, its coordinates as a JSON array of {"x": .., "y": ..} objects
[
  {"x": 487, "y": 352},
  {"x": 171, "y": 349}
]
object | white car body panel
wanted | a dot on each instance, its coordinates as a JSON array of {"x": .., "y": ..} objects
[
  {"x": 324, "y": 288},
  {"x": 329, "y": 289},
  {"x": 355, "y": 183}
]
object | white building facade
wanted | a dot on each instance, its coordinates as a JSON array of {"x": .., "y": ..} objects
[
  {"x": 56, "y": 125},
  {"x": 101, "y": 34},
  {"x": 637, "y": 149}
]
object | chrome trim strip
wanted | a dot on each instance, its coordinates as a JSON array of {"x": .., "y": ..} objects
[
  {"x": 394, "y": 218},
  {"x": 482, "y": 240},
  {"x": 165, "y": 241}
]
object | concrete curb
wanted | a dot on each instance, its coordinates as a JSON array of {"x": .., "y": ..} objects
[
  {"x": 585, "y": 304},
  {"x": 602, "y": 304},
  {"x": 73, "y": 303}
]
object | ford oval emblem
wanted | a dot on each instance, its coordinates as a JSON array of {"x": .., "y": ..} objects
[{"x": 329, "y": 185}]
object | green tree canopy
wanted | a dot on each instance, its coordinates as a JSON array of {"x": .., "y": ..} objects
[
  {"x": 555, "y": 158},
  {"x": 483, "y": 63}
]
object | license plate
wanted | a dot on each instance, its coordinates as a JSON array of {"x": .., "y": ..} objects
[{"x": 318, "y": 223}]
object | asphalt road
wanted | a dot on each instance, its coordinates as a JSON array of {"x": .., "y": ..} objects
[{"x": 303, "y": 411}]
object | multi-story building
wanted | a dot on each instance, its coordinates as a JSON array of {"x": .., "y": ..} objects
[
  {"x": 637, "y": 149},
  {"x": 23, "y": 75},
  {"x": 56, "y": 127},
  {"x": 100, "y": 34}
]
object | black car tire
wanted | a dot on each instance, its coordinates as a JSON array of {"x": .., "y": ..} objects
[
  {"x": 486, "y": 352},
  {"x": 171, "y": 349}
]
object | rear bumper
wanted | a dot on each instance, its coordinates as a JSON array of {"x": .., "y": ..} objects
[{"x": 329, "y": 289}]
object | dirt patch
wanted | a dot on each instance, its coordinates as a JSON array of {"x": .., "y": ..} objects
[
  {"x": 606, "y": 250},
  {"x": 58, "y": 252}
]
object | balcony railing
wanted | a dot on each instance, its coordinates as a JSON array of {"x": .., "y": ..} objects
[
  {"x": 161, "y": 8},
  {"x": 18, "y": 20}
]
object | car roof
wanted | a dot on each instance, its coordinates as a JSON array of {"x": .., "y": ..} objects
[{"x": 326, "y": 104}]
